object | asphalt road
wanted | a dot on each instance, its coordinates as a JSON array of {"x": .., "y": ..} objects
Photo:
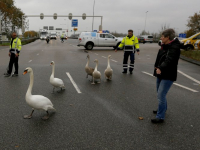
[{"x": 103, "y": 116}]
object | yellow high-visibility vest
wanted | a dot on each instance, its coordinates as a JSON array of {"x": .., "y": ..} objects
[{"x": 129, "y": 42}]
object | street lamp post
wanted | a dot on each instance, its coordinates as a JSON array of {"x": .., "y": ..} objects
[
  {"x": 145, "y": 20},
  {"x": 93, "y": 16}
]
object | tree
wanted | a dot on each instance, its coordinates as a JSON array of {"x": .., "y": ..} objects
[
  {"x": 30, "y": 34},
  {"x": 145, "y": 33},
  {"x": 11, "y": 16},
  {"x": 194, "y": 23},
  {"x": 189, "y": 32}
]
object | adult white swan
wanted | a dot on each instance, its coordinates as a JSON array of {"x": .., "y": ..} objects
[
  {"x": 88, "y": 69},
  {"x": 108, "y": 72},
  {"x": 57, "y": 83},
  {"x": 96, "y": 74},
  {"x": 36, "y": 101}
]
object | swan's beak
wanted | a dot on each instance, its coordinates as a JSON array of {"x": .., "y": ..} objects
[{"x": 25, "y": 72}]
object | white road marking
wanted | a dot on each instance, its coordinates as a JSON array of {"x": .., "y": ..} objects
[
  {"x": 189, "y": 77},
  {"x": 74, "y": 84},
  {"x": 42, "y": 50},
  {"x": 96, "y": 54},
  {"x": 30, "y": 61},
  {"x": 37, "y": 54},
  {"x": 104, "y": 57},
  {"x": 113, "y": 60},
  {"x": 184, "y": 87}
]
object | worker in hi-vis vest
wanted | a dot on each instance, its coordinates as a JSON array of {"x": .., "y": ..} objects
[
  {"x": 15, "y": 48},
  {"x": 130, "y": 45},
  {"x": 62, "y": 38}
]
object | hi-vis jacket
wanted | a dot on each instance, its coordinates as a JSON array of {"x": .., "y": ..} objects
[
  {"x": 15, "y": 46},
  {"x": 129, "y": 44}
]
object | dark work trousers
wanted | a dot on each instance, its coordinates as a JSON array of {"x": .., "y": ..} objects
[
  {"x": 13, "y": 60},
  {"x": 125, "y": 61}
]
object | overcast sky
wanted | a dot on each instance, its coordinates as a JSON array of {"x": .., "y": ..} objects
[{"x": 118, "y": 15}]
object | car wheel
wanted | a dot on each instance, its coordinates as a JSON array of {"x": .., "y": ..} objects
[
  {"x": 89, "y": 46},
  {"x": 189, "y": 47}
]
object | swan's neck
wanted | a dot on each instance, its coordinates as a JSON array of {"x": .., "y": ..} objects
[
  {"x": 53, "y": 71},
  {"x": 108, "y": 63},
  {"x": 96, "y": 66},
  {"x": 30, "y": 85},
  {"x": 87, "y": 62}
]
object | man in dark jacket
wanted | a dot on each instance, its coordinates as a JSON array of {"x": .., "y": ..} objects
[{"x": 166, "y": 70}]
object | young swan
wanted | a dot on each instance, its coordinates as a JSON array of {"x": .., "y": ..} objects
[
  {"x": 36, "y": 101},
  {"x": 88, "y": 69},
  {"x": 108, "y": 72},
  {"x": 56, "y": 82},
  {"x": 96, "y": 74}
]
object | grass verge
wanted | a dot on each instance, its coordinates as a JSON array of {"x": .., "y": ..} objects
[{"x": 194, "y": 54}]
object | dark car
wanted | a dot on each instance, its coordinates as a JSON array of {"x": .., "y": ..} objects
[{"x": 141, "y": 40}]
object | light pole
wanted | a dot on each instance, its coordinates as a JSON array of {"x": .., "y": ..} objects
[
  {"x": 145, "y": 20},
  {"x": 93, "y": 17}
]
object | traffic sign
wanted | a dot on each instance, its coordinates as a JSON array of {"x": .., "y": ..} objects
[
  {"x": 74, "y": 22},
  {"x": 95, "y": 30}
]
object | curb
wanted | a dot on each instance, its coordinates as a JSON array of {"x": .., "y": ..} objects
[{"x": 190, "y": 60}]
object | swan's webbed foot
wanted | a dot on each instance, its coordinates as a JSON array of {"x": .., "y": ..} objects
[
  {"x": 29, "y": 116},
  {"x": 46, "y": 117}
]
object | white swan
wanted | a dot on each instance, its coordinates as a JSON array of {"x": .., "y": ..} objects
[
  {"x": 96, "y": 74},
  {"x": 108, "y": 72},
  {"x": 57, "y": 83},
  {"x": 36, "y": 101},
  {"x": 88, "y": 69}
]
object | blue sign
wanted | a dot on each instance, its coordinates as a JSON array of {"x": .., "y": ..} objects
[
  {"x": 74, "y": 22},
  {"x": 182, "y": 35},
  {"x": 95, "y": 30},
  {"x": 104, "y": 31}
]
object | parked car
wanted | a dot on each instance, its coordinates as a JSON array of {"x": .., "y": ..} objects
[
  {"x": 141, "y": 40},
  {"x": 189, "y": 43},
  {"x": 147, "y": 38},
  {"x": 93, "y": 39}
]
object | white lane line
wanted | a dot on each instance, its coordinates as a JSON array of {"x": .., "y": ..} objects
[
  {"x": 113, "y": 60},
  {"x": 42, "y": 50},
  {"x": 96, "y": 54},
  {"x": 189, "y": 77},
  {"x": 104, "y": 57},
  {"x": 185, "y": 87},
  {"x": 74, "y": 84},
  {"x": 30, "y": 61},
  {"x": 174, "y": 83},
  {"x": 37, "y": 54}
]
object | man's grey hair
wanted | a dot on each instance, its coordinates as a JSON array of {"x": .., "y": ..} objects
[{"x": 169, "y": 33}]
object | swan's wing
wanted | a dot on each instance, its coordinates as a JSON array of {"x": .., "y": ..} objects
[
  {"x": 38, "y": 102},
  {"x": 57, "y": 82}
]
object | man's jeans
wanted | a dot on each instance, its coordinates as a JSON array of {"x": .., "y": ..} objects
[{"x": 163, "y": 87}]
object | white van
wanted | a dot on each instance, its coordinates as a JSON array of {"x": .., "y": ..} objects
[
  {"x": 94, "y": 39},
  {"x": 147, "y": 38}
]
